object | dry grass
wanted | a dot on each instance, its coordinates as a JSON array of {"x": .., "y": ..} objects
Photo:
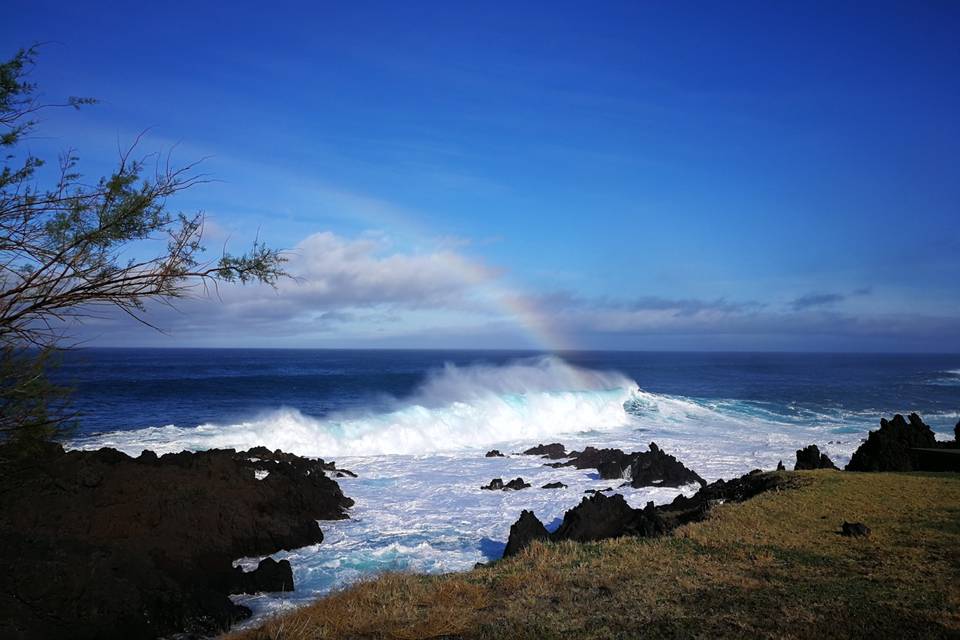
[{"x": 772, "y": 567}]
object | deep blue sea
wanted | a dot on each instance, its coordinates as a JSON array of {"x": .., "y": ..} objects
[
  {"x": 122, "y": 389},
  {"x": 415, "y": 425}
]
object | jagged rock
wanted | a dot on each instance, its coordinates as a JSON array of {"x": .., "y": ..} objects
[
  {"x": 641, "y": 469},
  {"x": 811, "y": 458},
  {"x": 553, "y": 451},
  {"x": 605, "y": 489},
  {"x": 780, "y": 466},
  {"x": 144, "y": 547},
  {"x": 341, "y": 473},
  {"x": 956, "y": 432},
  {"x": 494, "y": 453},
  {"x": 889, "y": 447},
  {"x": 524, "y": 531},
  {"x": 600, "y": 517},
  {"x": 554, "y": 485},
  {"x": 269, "y": 575},
  {"x": 495, "y": 485},
  {"x": 855, "y": 530}
]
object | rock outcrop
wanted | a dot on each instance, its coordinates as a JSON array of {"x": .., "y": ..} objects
[
  {"x": 494, "y": 453},
  {"x": 600, "y": 517},
  {"x": 811, "y": 458},
  {"x": 553, "y": 451},
  {"x": 554, "y": 485},
  {"x": 96, "y": 544},
  {"x": 890, "y": 448},
  {"x": 524, "y": 531},
  {"x": 653, "y": 468}
]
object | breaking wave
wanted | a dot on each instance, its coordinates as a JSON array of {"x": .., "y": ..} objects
[{"x": 456, "y": 408}]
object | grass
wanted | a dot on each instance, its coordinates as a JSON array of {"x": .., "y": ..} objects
[{"x": 772, "y": 567}]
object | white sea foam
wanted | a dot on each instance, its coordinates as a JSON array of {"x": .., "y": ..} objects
[{"x": 457, "y": 408}]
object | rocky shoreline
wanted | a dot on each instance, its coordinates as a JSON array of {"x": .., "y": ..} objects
[{"x": 97, "y": 544}]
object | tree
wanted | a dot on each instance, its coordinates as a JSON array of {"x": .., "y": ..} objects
[{"x": 65, "y": 252}]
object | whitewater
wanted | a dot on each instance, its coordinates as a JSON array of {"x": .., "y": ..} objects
[{"x": 420, "y": 458}]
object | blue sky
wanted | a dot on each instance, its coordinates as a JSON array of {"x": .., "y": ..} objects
[{"x": 547, "y": 175}]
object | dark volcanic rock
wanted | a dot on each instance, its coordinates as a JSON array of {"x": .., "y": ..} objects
[
  {"x": 554, "y": 485},
  {"x": 855, "y": 530},
  {"x": 524, "y": 531},
  {"x": 641, "y": 469},
  {"x": 811, "y": 458},
  {"x": 780, "y": 466},
  {"x": 553, "y": 451},
  {"x": 494, "y": 453},
  {"x": 656, "y": 468},
  {"x": 600, "y": 517},
  {"x": 516, "y": 484},
  {"x": 889, "y": 447},
  {"x": 269, "y": 575},
  {"x": 96, "y": 544},
  {"x": 497, "y": 484},
  {"x": 604, "y": 490}
]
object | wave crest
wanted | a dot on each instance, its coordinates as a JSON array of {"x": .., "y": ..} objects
[{"x": 456, "y": 408}]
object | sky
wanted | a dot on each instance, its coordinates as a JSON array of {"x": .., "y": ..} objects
[{"x": 640, "y": 175}]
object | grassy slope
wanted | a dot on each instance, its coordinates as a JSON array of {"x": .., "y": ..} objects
[{"x": 774, "y": 566}]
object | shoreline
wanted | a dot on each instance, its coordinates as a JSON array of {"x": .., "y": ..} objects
[
  {"x": 773, "y": 565},
  {"x": 184, "y": 519}
]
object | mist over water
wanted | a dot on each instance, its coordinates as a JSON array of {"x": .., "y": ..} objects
[{"x": 415, "y": 426}]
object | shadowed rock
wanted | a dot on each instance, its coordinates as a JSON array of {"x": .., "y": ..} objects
[
  {"x": 269, "y": 575},
  {"x": 554, "y": 485},
  {"x": 552, "y": 451},
  {"x": 889, "y": 448},
  {"x": 811, "y": 458},
  {"x": 600, "y": 517},
  {"x": 494, "y": 453},
  {"x": 497, "y": 484},
  {"x": 780, "y": 466},
  {"x": 653, "y": 468},
  {"x": 855, "y": 530},
  {"x": 96, "y": 544},
  {"x": 524, "y": 531}
]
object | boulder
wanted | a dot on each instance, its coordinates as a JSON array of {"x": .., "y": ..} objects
[
  {"x": 497, "y": 484},
  {"x": 889, "y": 448},
  {"x": 524, "y": 531},
  {"x": 493, "y": 453},
  {"x": 811, "y": 458},
  {"x": 553, "y": 451},
  {"x": 96, "y": 544},
  {"x": 780, "y": 466},
  {"x": 516, "y": 484},
  {"x": 554, "y": 485},
  {"x": 855, "y": 530}
]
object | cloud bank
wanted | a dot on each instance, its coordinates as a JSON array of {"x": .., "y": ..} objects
[{"x": 364, "y": 291}]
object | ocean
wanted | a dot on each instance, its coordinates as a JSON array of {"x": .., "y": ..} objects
[{"x": 415, "y": 426}]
